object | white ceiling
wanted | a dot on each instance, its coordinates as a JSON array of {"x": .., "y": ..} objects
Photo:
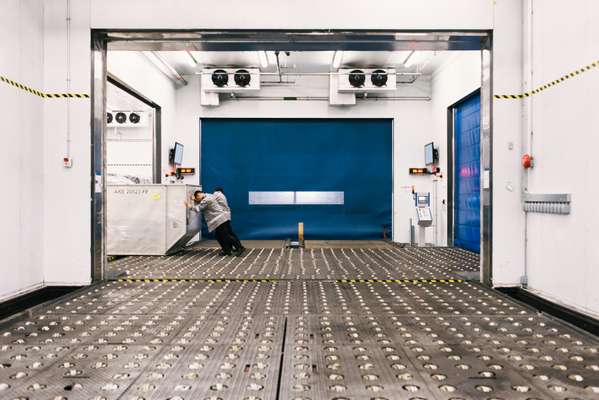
[{"x": 183, "y": 62}]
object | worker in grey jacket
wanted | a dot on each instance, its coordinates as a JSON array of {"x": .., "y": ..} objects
[
  {"x": 219, "y": 195},
  {"x": 217, "y": 220}
]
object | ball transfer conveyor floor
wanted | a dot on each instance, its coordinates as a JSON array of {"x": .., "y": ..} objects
[{"x": 320, "y": 323}]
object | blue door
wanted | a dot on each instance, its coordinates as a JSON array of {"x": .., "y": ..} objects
[
  {"x": 467, "y": 174},
  {"x": 334, "y": 175}
]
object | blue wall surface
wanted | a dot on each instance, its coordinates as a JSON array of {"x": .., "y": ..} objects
[
  {"x": 467, "y": 174},
  {"x": 349, "y": 155}
]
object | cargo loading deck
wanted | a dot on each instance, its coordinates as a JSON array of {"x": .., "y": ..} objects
[{"x": 320, "y": 323}]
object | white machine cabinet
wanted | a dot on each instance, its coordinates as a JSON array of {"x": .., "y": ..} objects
[
  {"x": 149, "y": 219},
  {"x": 424, "y": 216}
]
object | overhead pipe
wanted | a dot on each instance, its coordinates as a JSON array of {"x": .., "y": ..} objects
[
  {"x": 68, "y": 79},
  {"x": 316, "y": 73},
  {"x": 326, "y": 98},
  {"x": 527, "y": 126},
  {"x": 289, "y": 83},
  {"x": 278, "y": 67},
  {"x": 275, "y": 83}
]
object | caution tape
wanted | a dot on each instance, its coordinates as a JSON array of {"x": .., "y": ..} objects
[
  {"x": 42, "y": 94},
  {"x": 165, "y": 280},
  {"x": 66, "y": 95},
  {"x": 403, "y": 281},
  {"x": 547, "y": 85},
  {"x": 271, "y": 280}
]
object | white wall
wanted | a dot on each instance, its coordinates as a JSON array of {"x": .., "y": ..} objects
[
  {"x": 21, "y": 148},
  {"x": 411, "y": 128},
  {"x": 307, "y": 14},
  {"x": 508, "y": 218},
  {"x": 562, "y": 251},
  {"x": 67, "y": 232},
  {"x": 456, "y": 78}
]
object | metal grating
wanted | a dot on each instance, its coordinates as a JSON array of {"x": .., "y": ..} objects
[
  {"x": 309, "y": 264},
  {"x": 295, "y": 338}
]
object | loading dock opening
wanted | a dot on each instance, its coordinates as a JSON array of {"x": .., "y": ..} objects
[{"x": 285, "y": 40}]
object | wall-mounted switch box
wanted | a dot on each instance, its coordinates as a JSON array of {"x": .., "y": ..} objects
[{"x": 67, "y": 162}]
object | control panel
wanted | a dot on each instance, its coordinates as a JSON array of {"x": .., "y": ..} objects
[{"x": 422, "y": 202}]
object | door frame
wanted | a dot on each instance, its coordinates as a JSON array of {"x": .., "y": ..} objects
[
  {"x": 451, "y": 164},
  {"x": 235, "y": 40},
  {"x": 156, "y": 131}
]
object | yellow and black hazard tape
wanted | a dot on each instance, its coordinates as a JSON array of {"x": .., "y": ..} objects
[
  {"x": 404, "y": 281},
  {"x": 165, "y": 280},
  {"x": 66, "y": 95},
  {"x": 547, "y": 85},
  {"x": 42, "y": 94}
]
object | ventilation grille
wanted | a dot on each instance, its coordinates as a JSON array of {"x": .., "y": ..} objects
[{"x": 547, "y": 203}]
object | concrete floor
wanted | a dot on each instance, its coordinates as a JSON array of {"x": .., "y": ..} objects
[{"x": 294, "y": 324}]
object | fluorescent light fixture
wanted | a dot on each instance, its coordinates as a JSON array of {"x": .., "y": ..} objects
[
  {"x": 191, "y": 60},
  {"x": 418, "y": 57},
  {"x": 158, "y": 63},
  {"x": 337, "y": 58},
  {"x": 164, "y": 67},
  {"x": 408, "y": 61},
  {"x": 272, "y": 58},
  {"x": 403, "y": 35},
  {"x": 263, "y": 59}
]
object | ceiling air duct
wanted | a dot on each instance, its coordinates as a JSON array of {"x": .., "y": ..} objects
[
  {"x": 346, "y": 83},
  {"x": 126, "y": 119},
  {"x": 215, "y": 81}
]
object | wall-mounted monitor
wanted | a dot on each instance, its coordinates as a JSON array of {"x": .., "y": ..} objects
[
  {"x": 177, "y": 158},
  {"x": 430, "y": 154}
]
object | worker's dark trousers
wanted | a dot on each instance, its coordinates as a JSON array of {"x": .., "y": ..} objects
[
  {"x": 236, "y": 242},
  {"x": 221, "y": 234},
  {"x": 226, "y": 237}
]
